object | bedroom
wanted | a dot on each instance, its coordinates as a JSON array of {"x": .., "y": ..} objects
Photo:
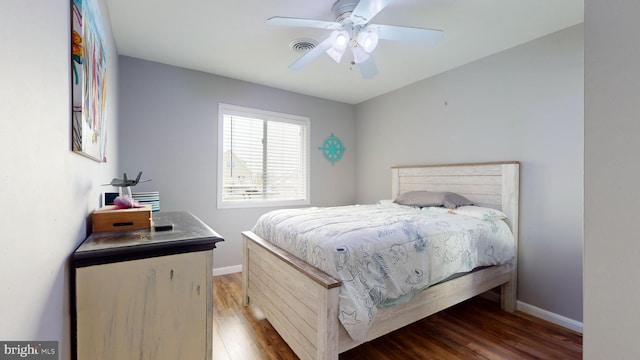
[{"x": 37, "y": 164}]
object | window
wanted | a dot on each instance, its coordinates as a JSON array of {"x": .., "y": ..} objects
[{"x": 263, "y": 158}]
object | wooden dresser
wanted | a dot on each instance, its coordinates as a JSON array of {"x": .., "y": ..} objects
[{"x": 144, "y": 294}]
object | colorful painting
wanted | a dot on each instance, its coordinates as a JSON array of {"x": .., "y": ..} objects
[{"x": 88, "y": 80}]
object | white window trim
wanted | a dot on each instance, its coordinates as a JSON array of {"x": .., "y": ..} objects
[{"x": 227, "y": 109}]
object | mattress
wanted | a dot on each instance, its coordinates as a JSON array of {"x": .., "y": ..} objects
[{"x": 385, "y": 254}]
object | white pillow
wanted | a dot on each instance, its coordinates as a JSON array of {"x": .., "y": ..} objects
[
  {"x": 479, "y": 212},
  {"x": 391, "y": 203},
  {"x": 386, "y": 203},
  {"x": 437, "y": 210}
]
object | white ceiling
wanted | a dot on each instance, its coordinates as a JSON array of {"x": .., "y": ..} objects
[{"x": 231, "y": 38}]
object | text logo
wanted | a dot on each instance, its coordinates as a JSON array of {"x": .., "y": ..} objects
[{"x": 32, "y": 350}]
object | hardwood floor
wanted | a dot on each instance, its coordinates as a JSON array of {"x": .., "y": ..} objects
[{"x": 475, "y": 329}]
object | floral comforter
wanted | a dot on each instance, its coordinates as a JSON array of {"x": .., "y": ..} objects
[{"x": 384, "y": 254}]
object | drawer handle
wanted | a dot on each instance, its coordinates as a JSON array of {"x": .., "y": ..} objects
[{"x": 128, "y": 223}]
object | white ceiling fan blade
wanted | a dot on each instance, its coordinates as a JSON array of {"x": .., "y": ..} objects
[
  {"x": 305, "y": 59},
  {"x": 367, "y": 9},
  {"x": 299, "y": 22},
  {"x": 408, "y": 34},
  {"x": 368, "y": 68}
]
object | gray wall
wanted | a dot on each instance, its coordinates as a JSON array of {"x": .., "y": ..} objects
[
  {"x": 612, "y": 175},
  {"x": 169, "y": 131},
  {"x": 523, "y": 104},
  {"x": 47, "y": 191}
]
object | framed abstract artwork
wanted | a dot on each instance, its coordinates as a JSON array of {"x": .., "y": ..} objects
[{"x": 88, "y": 80}]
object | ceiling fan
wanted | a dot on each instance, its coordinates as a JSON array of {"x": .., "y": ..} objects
[{"x": 351, "y": 29}]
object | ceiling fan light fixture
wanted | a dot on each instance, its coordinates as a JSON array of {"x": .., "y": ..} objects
[
  {"x": 368, "y": 40},
  {"x": 338, "y": 41},
  {"x": 352, "y": 28},
  {"x": 336, "y": 55}
]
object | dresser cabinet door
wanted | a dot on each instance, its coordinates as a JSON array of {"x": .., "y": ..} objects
[{"x": 154, "y": 308}]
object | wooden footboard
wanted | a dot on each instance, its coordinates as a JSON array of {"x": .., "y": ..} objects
[{"x": 300, "y": 301}]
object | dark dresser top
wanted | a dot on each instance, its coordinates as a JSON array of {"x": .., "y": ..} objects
[{"x": 189, "y": 234}]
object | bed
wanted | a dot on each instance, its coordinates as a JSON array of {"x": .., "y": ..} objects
[{"x": 302, "y": 301}]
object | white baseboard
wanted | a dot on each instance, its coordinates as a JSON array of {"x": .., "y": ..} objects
[
  {"x": 550, "y": 317},
  {"x": 538, "y": 312},
  {"x": 227, "y": 270}
]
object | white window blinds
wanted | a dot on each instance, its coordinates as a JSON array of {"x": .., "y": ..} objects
[{"x": 264, "y": 158}]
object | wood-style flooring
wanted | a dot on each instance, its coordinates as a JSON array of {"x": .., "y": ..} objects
[{"x": 475, "y": 329}]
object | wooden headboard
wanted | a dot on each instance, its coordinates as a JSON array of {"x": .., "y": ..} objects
[{"x": 495, "y": 184}]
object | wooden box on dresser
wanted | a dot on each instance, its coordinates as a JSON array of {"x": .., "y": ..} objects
[{"x": 144, "y": 294}]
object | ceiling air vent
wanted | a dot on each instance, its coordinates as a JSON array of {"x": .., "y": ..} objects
[{"x": 302, "y": 46}]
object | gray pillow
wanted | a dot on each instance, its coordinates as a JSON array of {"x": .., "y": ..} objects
[{"x": 432, "y": 198}]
